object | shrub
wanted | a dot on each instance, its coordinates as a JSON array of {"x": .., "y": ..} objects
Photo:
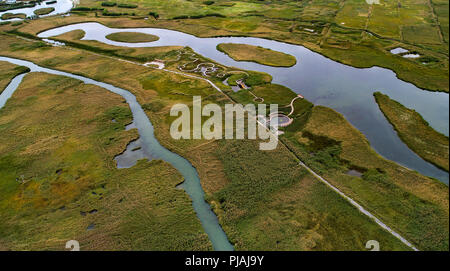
[{"x": 208, "y": 3}]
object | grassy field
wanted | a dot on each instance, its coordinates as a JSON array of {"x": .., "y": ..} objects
[
  {"x": 261, "y": 216},
  {"x": 59, "y": 175},
  {"x": 264, "y": 56},
  {"x": 132, "y": 37},
  {"x": 44, "y": 11},
  {"x": 415, "y": 131}
]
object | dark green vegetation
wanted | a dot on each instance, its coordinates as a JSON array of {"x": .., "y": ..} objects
[
  {"x": 8, "y": 71},
  {"x": 8, "y": 16},
  {"x": 44, "y": 11},
  {"x": 295, "y": 219},
  {"x": 349, "y": 31},
  {"x": 415, "y": 131},
  {"x": 132, "y": 37},
  {"x": 264, "y": 56},
  {"x": 59, "y": 175}
]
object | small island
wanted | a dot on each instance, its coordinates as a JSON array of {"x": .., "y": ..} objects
[
  {"x": 260, "y": 55},
  {"x": 43, "y": 11},
  {"x": 133, "y": 37},
  {"x": 412, "y": 129}
]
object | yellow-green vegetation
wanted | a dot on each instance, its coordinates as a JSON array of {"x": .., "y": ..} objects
[
  {"x": 264, "y": 56},
  {"x": 44, "y": 11},
  {"x": 8, "y": 71},
  {"x": 410, "y": 203},
  {"x": 58, "y": 174},
  {"x": 144, "y": 54},
  {"x": 9, "y": 16},
  {"x": 349, "y": 31},
  {"x": 261, "y": 204},
  {"x": 132, "y": 37},
  {"x": 415, "y": 131}
]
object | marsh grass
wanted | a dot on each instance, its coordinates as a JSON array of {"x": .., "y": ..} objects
[{"x": 264, "y": 56}]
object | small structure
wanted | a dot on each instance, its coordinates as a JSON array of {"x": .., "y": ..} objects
[{"x": 241, "y": 84}]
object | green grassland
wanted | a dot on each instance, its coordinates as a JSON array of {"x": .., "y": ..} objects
[
  {"x": 415, "y": 131},
  {"x": 264, "y": 56},
  {"x": 282, "y": 206},
  {"x": 132, "y": 37},
  {"x": 8, "y": 71},
  {"x": 418, "y": 25},
  {"x": 59, "y": 177}
]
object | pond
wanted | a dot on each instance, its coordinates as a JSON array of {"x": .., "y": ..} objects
[{"x": 321, "y": 80}]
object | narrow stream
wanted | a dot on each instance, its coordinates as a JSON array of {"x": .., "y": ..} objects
[
  {"x": 323, "y": 81},
  {"x": 150, "y": 147}
]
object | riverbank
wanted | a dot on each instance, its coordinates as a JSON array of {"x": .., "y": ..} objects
[
  {"x": 7, "y": 72},
  {"x": 415, "y": 131}
]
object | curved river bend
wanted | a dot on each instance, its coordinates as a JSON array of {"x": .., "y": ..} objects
[
  {"x": 346, "y": 89},
  {"x": 150, "y": 147}
]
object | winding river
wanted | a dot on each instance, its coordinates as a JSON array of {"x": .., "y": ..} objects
[
  {"x": 150, "y": 148},
  {"x": 323, "y": 81}
]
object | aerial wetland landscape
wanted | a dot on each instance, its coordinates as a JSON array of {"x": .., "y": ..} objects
[{"x": 91, "y": 90}]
